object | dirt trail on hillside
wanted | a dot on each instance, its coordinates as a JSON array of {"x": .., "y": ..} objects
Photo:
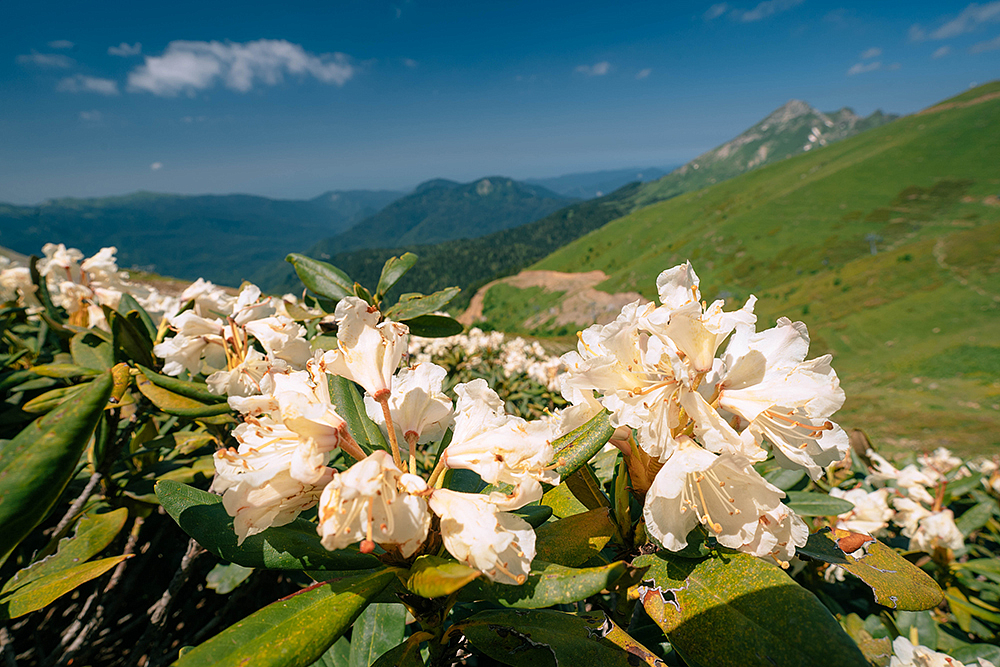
[
  {"x": 959, "y": 105},
  {"x": 582, "y": 303}
]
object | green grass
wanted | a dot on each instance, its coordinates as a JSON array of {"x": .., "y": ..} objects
[
  {"x": 796, "y": 234},
  {"x": 508, "y": 308}
]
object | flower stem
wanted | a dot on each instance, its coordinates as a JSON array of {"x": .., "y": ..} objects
[
  {"x": 384, "y": 402},
  {"x": 350, "y": 445},
  {"x": 411, "y": 440}
]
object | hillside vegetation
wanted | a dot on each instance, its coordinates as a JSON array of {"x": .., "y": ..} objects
[
  {"x": 914, "y": 327},
  {"x": 222, "y": 238}
]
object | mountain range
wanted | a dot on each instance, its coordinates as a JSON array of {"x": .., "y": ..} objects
[{"x": 592, "y": 184}]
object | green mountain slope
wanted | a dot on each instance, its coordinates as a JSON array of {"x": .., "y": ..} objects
[
  {"x": 915, "y": 327},
  {"x": 590, "y": 184},
  {"x": 442, "y": 210},
  {"x": 220, "y": 237}
]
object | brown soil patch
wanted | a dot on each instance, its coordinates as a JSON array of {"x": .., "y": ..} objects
[{"x": 582, "y": 304}]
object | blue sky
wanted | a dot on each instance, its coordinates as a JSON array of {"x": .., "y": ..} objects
[{"x": 292, "y": 100}]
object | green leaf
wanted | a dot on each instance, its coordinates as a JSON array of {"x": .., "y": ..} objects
[
  {"x": 350, "y": 406},
  {"x": 575, "y": 540},
  {"x": 175, "y": 404},
  {"x": 184, "y": 442},
  {"x": 735, "y": 609},
  {"x": 379, "y": 628},
  {"x": 128, "y": 305},
  {"x": 63, "y": 371},
  {"x": 40, "y": 592},
  {"x": 411, "y": 306},
  {"x": 38, "y": 463},
  {"x": 535, "y": 515},
  {"x": 294, "y": 546},
  {"x": 896, "y": 582},
  {"x": 548, "y": 584},
  {"x": 988, "y": 567},
  {"x": 294, "y": 631},
  {"x": 336, "y": 655},
  {"x": 130, "y": 338},
  {"x": 562, "y": 501},
  {"x": 51, "y": 399},
  {"x": 968, "y": 654},
  {"x": 406, "y": 654},
  {"x": 922, "y": 622},
  {"x": 90, "y": 350},
  {"x": 225, "y": 578},
  {"x": 320, "y": 278},
  {"x": 434, "y": 326},
  {"x": 363, "y": 294},
  {"x": 785, "y": 479},
  {"x": 587, "y": 488},
  {"x": 393, "y": 270},
  {"x": 959, "y": 487},
  {"x": 544, "y": 638},
  {"x": 810, "y": 503},
  {"x": 435, "y": 577},
  {"x": 972, "y": 519},
  {"x": 579, "y": 446},
  {"x": 94, "y": 532},
  {"x": 197, "y": 390}
]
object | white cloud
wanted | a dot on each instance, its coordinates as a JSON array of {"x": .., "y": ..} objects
[
  {"x": 125, "y": 50},
  {"x": 597, "y": 69},
  {"x": 991, "y": 45},
  {"x": 941, "y": 52},
  {"x": 93, "y": 116},
  {"x": 764, "y": 9},
  {"x": 715, "y": 11},
  {"x": 643, "y": 73},
  {"x": 410, "y": 62},
  {"x": 156, "y": 166},
  {"x": 87, "y": 84},
  {"x": 968, "y": 20},
  {"x": 61, "y": 44},
  {"x": 873, "y": 52},
  {"x": 52, "y": 60},
  {"x": 892, "y": 67},
  {"x": 861, "y": 68},
  {"x": 186, "y": 67}
]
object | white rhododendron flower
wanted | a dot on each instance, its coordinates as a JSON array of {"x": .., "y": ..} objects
[
  {"x": 419, "y": 409},
  {"x": 498, "y": 544},
  {"x": 941, "y": 460},
  {"x": 722, "y": 492},
  {"x": 276, "y": 502},
  {"x": 374, "y": 502},
  {"x": 871, "y": 511},
  {"x": 908, "y": 515},
  {"x": 907, "y": 654},
  {"x": 500, "y": 448},
  {"x": 937, "y": 529},
  {"x": 282, "y": 339},
  {"x": 368, "y": 352}
]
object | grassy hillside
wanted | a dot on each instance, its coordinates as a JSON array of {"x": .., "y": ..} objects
[{"x": 915, "y": 328}]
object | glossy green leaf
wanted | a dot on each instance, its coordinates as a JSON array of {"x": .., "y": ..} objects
[
  {"x": 735, "y": 609},
  {"x": 587, "y": 488},
  {"x": 336, "y": 655},
  {"x": 63, "y": 371},
  {"x": 394, "y": 269},
  {"x": 350, "y": 406},
  {"x": 579, "y": 446},
  {"x": 434, "y": 326},
  {"x": 41, "y": 591},
  {"x": 38, "y": 463},
  {"x": 785, "y": 479},
  {"x": 294, "y": 631},
  {"x": 896, "y": 582},
  {"x": 963, "y": 485},
  {"x": 968, "y": 654},
  {"x": 434, "y": 577},
  {"x": 89, "y": 350},
  {"x": 575, "y": 540},
  {"x": 544, "y": 638},
  {"x": 810, "y": 503},
  {"x": 130, "y": 338},
  {"x": 406, "y": 654},
  {"x": 535, "y": 515},
  {"x": 562, "y": 501},
  {"x": 294, "y": 546},
  {"x": 920, "y": 622},
  {"x": 363, "y": 294},
  {"x": 971, "y": 520},
  {"x": 226, "y": 577},
  {"x": 175, "y": 404},
  {"x": 94, "y": 532},
  {"x": 184, "y": 442},
  {"x": 379, "y": 628},
  {"x": 197, "y": 390},
  {"x": 127, "y": 305},
  {"x": 51, "y": 399},
  {"x": 321, "y": 278},
  {"x": 610, "y": 633},
  {"x": 548, "y": 584},
  {"x": 411, "y": 306}
]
